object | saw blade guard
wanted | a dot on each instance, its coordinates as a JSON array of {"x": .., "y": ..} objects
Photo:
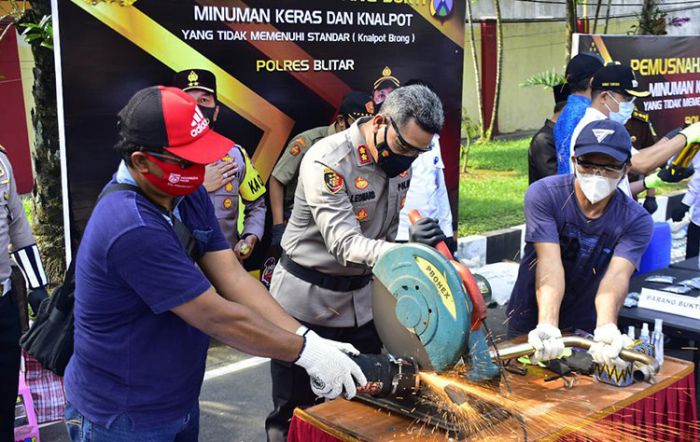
[{"x": 430, "y": 303}]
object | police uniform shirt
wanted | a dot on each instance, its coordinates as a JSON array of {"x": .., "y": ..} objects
[
  {"x": 14, "y": 228},
  {"x": 225, "y": 200},
  {"x": 286, "y": 170},
  {"x": 345, "y": 211}
]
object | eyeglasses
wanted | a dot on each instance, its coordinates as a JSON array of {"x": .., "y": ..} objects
[
  {"x": 626, "y": 99},
  {"x": 612, "y": 170},
  {"x": 405, "y": 145},
  {"x": 184, "y": 164}
]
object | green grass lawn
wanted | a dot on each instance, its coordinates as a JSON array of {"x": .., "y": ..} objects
[{"x": 491, "y": 192}]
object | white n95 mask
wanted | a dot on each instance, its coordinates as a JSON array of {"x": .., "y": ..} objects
[{"x": 596, "y": 187}]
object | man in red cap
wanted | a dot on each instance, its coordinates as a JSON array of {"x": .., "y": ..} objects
[{"x": 155, "y": 277}]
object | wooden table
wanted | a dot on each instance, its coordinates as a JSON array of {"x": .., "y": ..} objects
[{"x": 587, "y": 402}]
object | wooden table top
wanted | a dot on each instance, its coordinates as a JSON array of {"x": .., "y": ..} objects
[{"x": 588, "y": 401}]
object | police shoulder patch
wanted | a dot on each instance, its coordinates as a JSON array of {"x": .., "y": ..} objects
[
  {"x": 332, "y": 180},
  {"x": 640, "y": 115},
  {"x": 295, "y": 150}
]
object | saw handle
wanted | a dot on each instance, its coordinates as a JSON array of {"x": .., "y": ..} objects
[
  {"x": 478, "y": 305},
  {"x": 414, "y": 216}
]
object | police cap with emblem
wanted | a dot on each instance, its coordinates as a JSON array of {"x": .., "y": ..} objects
[
  {"x": 199, "y": 79},
  {"x": 604, "y": 136},
  {"x": 386, "y": 80},
  {"x": 356, "y": 104},
  {"x": 619, "y": 78}
]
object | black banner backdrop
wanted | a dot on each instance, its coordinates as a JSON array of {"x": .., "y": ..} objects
[
  {"x": 281, "y": 68},
  {"x": 668, "y": 67}
]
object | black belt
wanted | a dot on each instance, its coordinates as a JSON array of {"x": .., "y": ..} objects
[{"x": 330, "y": 282}]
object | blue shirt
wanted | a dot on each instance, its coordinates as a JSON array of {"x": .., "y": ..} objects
[
  {"x": 563, "y": 129},
  {"x": 552, "y": 215},
  {"x": 132, "y": 355}
]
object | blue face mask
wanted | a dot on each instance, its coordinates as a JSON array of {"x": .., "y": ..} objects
[{"x": 626, "y": 108}]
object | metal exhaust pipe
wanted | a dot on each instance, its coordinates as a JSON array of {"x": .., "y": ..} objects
[{"x": 525, "y": 349}]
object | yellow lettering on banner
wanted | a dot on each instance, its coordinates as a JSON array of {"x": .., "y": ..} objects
[
  {"x": 666, "y": 66},
  {"x": 439, "y": 280}
]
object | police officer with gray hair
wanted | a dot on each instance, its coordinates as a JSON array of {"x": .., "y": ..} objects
[
  {"x": 14, "y": 232},
  {"x": 352, "y": 186}
]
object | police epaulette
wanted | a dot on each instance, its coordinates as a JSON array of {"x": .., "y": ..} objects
[{"x": 641, "y": 116}]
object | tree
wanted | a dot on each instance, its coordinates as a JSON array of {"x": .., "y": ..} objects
[
  {"x": 571, "y": 18},
  {"x": 477, "y": 74},
  {"x": 47, "y": 197},
  {"x": 499, "y": 66},
  {"x": 47, "y": 201},
  {"x": 597, "y": 15}
]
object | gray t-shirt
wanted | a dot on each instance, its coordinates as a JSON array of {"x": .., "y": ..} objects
[{"x": 552, "y": 215}]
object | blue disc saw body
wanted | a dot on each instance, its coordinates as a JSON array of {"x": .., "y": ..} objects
[{"x": 422, "y": 310}]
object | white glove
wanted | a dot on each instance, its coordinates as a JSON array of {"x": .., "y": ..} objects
[
  {"x": 608, "y": 344},
  {"x": 330, "y": 370},
  {"x": 345, "y": 347},
  {"x": 547, "y": 341}
]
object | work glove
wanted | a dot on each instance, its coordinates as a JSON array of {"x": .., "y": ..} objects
[
  {"x": 276, "y": 235},
  {"x": 35, "y": 298},
  {"x": 679, "y": 212},
  {"x": 674, "y": 174},
  {"x": 331, "y": 371},
  {"x": 651, "y": 181},
  {"x": 345, "y": 347},
  {"x": 609, "y": 342},
  {"x": 547, "y": 341},
  {"x": 692, "y": 133},
  {"x": 650, "y": 204},
  {"x": 426, "y": 231}
]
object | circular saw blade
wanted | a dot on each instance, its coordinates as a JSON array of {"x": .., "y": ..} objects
[{"x": 398, "y": 340}]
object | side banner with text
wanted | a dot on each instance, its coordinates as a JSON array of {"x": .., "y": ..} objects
[
  {"x": 281, "y": 68},
  {"x": 668, "y": 67}
]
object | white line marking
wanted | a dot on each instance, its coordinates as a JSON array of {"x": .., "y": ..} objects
[{"x": 232, "y": 368}]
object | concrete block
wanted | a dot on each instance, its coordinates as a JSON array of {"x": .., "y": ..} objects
[{"x": 503, "y": 245}]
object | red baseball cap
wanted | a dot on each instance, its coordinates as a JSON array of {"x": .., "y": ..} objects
[{"x": 167, "y": 117}]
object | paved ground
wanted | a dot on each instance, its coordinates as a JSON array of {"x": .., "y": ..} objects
[{"x": 233, "y": 403}]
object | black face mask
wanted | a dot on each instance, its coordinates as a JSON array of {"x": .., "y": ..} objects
[
  {"x": 208, "y": 113},
  {"x": 391, "y": 163}
]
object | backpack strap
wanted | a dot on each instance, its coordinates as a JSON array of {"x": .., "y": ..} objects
[{"x": 181, "y": 230}]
